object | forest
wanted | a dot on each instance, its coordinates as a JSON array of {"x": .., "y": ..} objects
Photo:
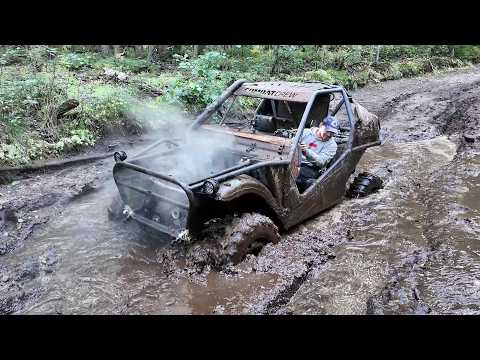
[{"x": 57, "y": 100}]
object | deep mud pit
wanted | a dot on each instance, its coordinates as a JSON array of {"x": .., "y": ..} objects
[{"x": 411, "y": 248}]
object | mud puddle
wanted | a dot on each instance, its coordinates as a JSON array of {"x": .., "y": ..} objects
[
  {"x": 85, "y": 264},
  {"x": 385, "y": 229}
]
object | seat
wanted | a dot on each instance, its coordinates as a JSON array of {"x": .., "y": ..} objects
[{"x": 264, "y": 123}]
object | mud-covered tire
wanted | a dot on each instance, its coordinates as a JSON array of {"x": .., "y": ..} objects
[
  {"x": 115, "y": 209},
  {"x": 364, "y": 184},
  {"x": 247, "y": 234}
]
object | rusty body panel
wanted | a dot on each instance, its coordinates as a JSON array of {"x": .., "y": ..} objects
[
  {"x": 264, "y": 178},
  {"x": 243, "y": 185}
]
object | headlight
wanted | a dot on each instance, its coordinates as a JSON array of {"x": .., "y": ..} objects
[{"x": 210, "y": 186}]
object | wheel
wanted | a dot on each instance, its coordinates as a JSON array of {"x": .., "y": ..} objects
[
  {"x": 364, "y": 184},
  {"x": 247, "y": 234},
  {"x": 115, "y": 210}
]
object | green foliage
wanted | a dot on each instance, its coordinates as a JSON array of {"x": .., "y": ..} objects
[
  {"x": 35, "y": 80},
  {"x": 389, "y": 52},
  {"x": 22, "y": 97},
  {"x": 467, "y": 53},
  {"x": 391, "y": 71},
  {"x": 135, "y": 65},
  {"x": 410, "y": 68},
  {"x": 13, "y": 55},
  {"x": 201, "y": 82},
  {"x": 74, "y": 61},
  {"x": 203, "y": 65},
  {"x": 77, "y": 138},
  {"x": 14, "y": 125},
  {"x": 289, "y": 61},
  {"x": 42, "y": 52},
  {"x": 125, "y": 64},
  {"x": 13, "y": 154},
  {"x": 39, "y": 149},
  {"x": 103, "y": 104},
  {"x": 320, "y": 75}
]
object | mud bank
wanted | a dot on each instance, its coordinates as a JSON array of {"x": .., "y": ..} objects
[{"x": 410, "y": 248}]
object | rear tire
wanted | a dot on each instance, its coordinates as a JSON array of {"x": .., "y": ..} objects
[
  {"x": 247, "y": 234},
  {"x": 364, "y": 184}
]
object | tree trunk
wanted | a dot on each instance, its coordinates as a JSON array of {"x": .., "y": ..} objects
[
  {"x": 105, "y": 49},
  {"x": 198, "y": 49},
  {"x": 276, "y": 49},
  {"x": 161, "y": 50},
  {"x": 139, "y": 50},
  {"x": 150, "y": 49},
  {"x": 116, "y": 49},
  {"x": 377, "y": 57}
]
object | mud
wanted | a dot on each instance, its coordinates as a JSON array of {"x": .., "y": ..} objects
[{"x": 410, "y": 248}]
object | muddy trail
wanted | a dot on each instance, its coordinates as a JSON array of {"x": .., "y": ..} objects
[{"x": 411, "y": 248}]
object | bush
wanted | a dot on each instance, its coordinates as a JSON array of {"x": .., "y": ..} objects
[
  {"x": 391, "y": 71},
  {"x": 14, "y": 55},
  {"x": 13, "y": 154},
  {"x": 206, "y": 65},
  {"x": 14, "y": 125},
  {"x": 467, "y": 53},
  {"x": 391, "y": 52},
  {"x": 74, "y": 61},
  {"x": 320, "y": 75},
  {"x": 410, "y": 68},
  {"x": 24, "y": 97},
  {"x": 340, "y": 77},
  {"x": 289, "y": 61},
  {"x": 103, "y": 104},
  {"x": 203, "y": 79}
]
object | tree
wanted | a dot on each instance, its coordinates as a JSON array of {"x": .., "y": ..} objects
[
  {"x": 198, "y": 49},
  {"x": 276, "y": 50}
]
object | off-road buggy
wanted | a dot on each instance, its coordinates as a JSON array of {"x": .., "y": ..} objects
[{"x": 250, "y": 179}]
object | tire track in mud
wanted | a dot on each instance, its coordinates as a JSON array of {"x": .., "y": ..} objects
[{"x": 452, "y": 121}]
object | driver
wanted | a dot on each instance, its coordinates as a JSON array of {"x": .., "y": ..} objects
[{"x": 318, "y": 147}]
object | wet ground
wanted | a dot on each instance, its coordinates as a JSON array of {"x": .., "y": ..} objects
[{"x": 411, "y": 248}]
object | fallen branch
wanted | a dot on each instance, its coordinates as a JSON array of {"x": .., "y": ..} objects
[{"x": 54, "y": 164}]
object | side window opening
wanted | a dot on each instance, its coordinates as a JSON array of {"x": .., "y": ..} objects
[
  {"x": 339, "y": 111},
  {"x": 236, "y": 113},
  {"x": 334, "y": 106}
]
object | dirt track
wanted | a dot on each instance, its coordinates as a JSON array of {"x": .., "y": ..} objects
[{"x": 411, "y": 248}]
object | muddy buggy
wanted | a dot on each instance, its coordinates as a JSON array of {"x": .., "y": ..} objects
[{"x": 248, "y": 182}]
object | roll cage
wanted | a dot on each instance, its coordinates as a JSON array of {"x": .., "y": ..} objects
[{"x": 246, "y": 168}]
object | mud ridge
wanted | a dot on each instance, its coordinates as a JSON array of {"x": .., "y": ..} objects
[{"x": 276, "y": 305}]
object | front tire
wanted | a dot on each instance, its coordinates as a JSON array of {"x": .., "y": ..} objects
[{"x": 247, "y": 234}]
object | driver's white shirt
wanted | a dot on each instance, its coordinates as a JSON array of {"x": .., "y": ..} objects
[{"x": 319, "y": 152}]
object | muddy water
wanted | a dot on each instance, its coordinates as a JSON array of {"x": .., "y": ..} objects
[
  {"x": 451, "y": 282},
  {"x": 104, "y": 267},
  {"x": 386, "y": 228}
]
